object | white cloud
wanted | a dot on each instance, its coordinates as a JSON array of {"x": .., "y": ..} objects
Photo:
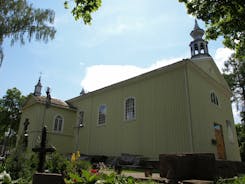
[
  {"x": 221, "y": 55},
  {"x": 99, "y": 76},
  {"x": 120, "y": 28}
]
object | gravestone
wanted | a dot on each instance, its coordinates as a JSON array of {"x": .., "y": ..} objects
[
  {"x": 187, "y": 166},
  {"x": 40, "y": 177}
]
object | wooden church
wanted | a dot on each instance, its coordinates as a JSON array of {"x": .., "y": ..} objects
[{"x": 180, "y": 108}]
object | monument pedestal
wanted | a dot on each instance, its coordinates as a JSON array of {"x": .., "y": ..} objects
[{"x": 47, "y": 178}]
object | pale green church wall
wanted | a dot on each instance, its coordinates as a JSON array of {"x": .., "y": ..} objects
[
  {"x": 35, "y": 123},
  {"x": 205, "y": 114},
  {"x": 63, "y": 141},
  {"x": 160, "y": 125}
]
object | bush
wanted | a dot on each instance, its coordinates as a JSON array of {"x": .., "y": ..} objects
[
  {"x": 80, "y": 165},
  {"x": 2, "y": 167},
  {"x": 57, "y": 163},
  {"x": 21, "y": 164},
  {"x": 89, "y": 178},
  {"x": 236, "y": 180}
]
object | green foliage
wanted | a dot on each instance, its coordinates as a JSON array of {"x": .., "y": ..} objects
[
  {"x": 21, "y": 165},
  {"x": 2, "y": 167},
  {"x": 19, "y": 21},
  {"x": 82, "y": 9},
  {"x": 10, "y": 113},
  {"x": 236, "y": 180},
  {"x": 240, "y": 129},
  {"x": 234, "y": 73},
  {"x": 57, "y": 163},
  {"x": 89, "y": 178},
  {"x": 222, "y": 18},
  {"x": 82, "y": 165}
]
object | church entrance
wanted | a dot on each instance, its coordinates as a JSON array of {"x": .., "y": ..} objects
[{"x": 220, "y": 144}]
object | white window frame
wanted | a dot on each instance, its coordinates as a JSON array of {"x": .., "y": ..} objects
[
  {"x": 126, "y": 117},
  {"x": 62, "y": 124},
  {"x": 105, "y": 113}
]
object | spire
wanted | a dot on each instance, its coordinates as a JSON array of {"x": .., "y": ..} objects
[
  {"x": 196, "y": 25},
  {"x": 38, "y": 88},
  {"x": 199, "y": 47}
]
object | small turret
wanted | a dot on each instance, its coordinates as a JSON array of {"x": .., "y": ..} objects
[
  {"x": 82, "y": 92},
  {"x": 38, "y": 88},
  {"x": 199, "y": 47}
]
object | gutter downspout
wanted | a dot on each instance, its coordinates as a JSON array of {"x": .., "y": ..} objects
[{"x": 189, "y": 115}]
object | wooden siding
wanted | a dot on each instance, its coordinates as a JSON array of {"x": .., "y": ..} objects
[
  {"x": 205, "y": 113},
  {"x": 160, "y": 125}
]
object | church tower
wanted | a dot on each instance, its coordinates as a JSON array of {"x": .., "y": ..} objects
[
  {"x": 38, "y": 88},
  {"x": 199, "y": 47}
]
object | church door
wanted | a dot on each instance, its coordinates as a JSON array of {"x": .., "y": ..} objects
[{"x": 219, "y": 141}]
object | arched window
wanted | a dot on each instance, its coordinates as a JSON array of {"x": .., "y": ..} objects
[
  {"x": 214, "y": 98},
  {"x": 130, "y": 112},
  {"x": 58, "y": 124}
]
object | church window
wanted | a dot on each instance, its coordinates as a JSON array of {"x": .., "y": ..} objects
[
  {"x": 58, "y": 124},
  {"x": 214, "y": 98},
  {"x": 102, "y": 114},
  {"x": 130, "y": 112},
  {"x": 81, "y": 119}
]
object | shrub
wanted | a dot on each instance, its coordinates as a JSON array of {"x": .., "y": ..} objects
[
  {"x": 2, "y": 167},
  {"x": 57, "y": 163},
  {"x": 236, "y": 180},
  {"x": 21, "y": 164}
]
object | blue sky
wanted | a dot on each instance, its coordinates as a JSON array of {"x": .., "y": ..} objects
[{"x": 126, "y": 38}]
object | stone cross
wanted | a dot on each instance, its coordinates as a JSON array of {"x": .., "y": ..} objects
[{"x": 42, "y": 150}]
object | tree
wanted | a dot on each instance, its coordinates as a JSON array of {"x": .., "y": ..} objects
[
  {"x": 240, "y": 129},
  {"x": 222, "y": 18},
  {"x": 19, "y": 21},
  {"x": 234, "y": 73},
  {"x": 10, "y": 111},
  {"x": 82, "y": 9}
]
